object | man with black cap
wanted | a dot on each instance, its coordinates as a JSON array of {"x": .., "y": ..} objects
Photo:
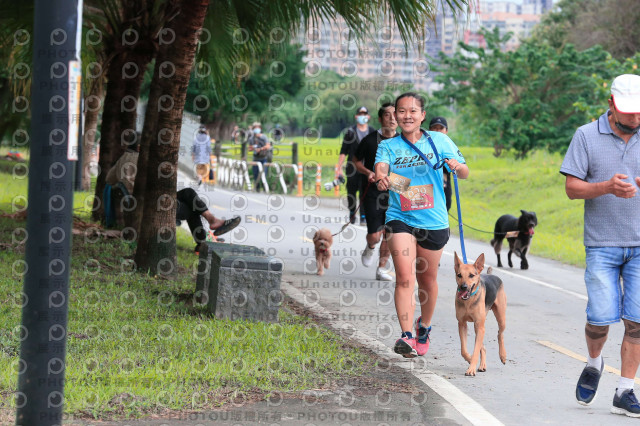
[
  {"x": 439, "y": 124},
  {"x": 350, "y": 142},
  {"x": 602, "y": 166}
]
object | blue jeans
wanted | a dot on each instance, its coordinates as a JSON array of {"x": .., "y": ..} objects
[{"x": 612, "y": 278}]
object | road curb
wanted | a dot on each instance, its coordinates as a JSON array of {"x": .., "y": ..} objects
[{"x": 464, "y": 404}]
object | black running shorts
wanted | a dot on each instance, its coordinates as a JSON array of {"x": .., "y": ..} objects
[{"x": 433, "y": 239}]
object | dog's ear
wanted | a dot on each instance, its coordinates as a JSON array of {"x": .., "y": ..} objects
[
  {"x": 456, "y": 262},
  {"x": 524, "y": 212},
  {"x": 479, "y": 264},
  {"x": 316, "y": 236}
]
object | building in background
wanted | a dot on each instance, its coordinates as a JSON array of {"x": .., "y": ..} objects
[{"x": 387, "y": 62}]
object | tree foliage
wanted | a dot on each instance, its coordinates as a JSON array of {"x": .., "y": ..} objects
[
  {"x": 612, "y": 24},
  {"x": 524, "y": 99}
]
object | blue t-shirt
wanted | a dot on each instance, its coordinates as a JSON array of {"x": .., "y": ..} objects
[{"x": 423, "y": 205}]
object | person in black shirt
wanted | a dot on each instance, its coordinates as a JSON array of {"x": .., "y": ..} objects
[
  {"x": 350, "y": 142},
  {"x": 375, "y": 202},
  {"x": 439, "y": 124}
]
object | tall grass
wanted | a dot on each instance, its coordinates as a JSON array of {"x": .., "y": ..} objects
[
  {"x": 138, "y": 345},
  {"x": 504, "y": 185}
]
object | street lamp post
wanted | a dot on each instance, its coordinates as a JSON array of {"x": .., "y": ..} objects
[{"x": 54, "y": 135}]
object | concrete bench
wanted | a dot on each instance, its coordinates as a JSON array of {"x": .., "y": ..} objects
[{"x": 239, "y": 282}]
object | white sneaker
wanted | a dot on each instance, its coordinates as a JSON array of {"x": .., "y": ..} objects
[
  {"x": 367, "y": 256},
  {"x": 381, "y": 275}
]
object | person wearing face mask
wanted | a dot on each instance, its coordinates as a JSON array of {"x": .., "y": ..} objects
[
  {"x": 350, "y": 142},
  {"x": 259, "y": 144},
  {"x": 201, "y": 153},
  {"x": 439, "y": 124},
  {"x": 602, "y": 166}
]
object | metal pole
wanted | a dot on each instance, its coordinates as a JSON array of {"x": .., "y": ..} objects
[
  {"x": 78, "y": 164},
  {"x": 40, "y": 396},
  {"x": 294, "y": 153}
]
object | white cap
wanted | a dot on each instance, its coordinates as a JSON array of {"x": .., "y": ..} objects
[{"x": 625, "y": 92}]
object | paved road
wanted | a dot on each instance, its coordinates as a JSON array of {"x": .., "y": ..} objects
[{"x": 545, "y": 314}]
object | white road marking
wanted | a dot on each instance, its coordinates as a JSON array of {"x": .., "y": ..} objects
[
  {"x": 579, "y": 357},
  {"x": 533, "y": 280},
  {"x": 468, "y": 407}
]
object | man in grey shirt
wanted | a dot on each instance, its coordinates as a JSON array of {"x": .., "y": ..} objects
[{"x": 602, "y": 166}]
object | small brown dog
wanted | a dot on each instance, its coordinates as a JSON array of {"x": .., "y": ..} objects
[
  {"x": 322, "y": 241},
  {"x": 476, "y": 295}
]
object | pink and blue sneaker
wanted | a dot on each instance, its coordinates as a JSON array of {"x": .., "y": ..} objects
[
  {"x": 406, "y": 346},
  {"x": 422, "y": 339}
]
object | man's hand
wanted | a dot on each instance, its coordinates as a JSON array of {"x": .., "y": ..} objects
[
  {"x": 372, "y": 177},
  {"x": 618, "y": 187}
]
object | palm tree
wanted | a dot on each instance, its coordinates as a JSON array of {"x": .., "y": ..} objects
[
  {"x": 157, "y": 172},
  {"x": 130, "y": 31}
]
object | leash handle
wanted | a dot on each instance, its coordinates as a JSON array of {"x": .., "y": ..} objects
[{"x": 455, "y": 184}]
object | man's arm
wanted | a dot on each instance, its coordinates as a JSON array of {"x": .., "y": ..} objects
[
  {"x": 580, "y": 189},
  {"x": 112, "y": 174},
  {"x": 371, "y": 176},
  {"x": 344, "y": 150},
  {"x": 340, "y": 161}
]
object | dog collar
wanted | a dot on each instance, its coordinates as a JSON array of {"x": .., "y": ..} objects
[{"x": 475, "y": 291}]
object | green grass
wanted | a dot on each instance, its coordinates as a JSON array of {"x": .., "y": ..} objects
[
  {"x": 137, "y": 345},
  {"x": 498, "y": 186}
]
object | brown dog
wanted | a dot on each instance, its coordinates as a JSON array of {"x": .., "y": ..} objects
[
  {"x": 322, "y": 241},
  {"x": 476, "y": 295}
]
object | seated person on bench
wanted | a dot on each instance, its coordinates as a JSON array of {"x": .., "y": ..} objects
[
  {"x": 121, "y": 178},
  {"x": 191, "y": 207}
]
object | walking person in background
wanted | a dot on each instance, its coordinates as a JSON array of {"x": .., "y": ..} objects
[
  {"x": 417, "y": 224},
  {"x": 439, "y": 124},
  {"x": 201, "y": 153},
  {"x": 350, "y": 142},
  {"x": 602, "y": 166},
  {"x": 375, "y": 202},
  {"x": 259, "y": 144}
]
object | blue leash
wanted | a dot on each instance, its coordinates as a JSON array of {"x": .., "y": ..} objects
[
  {"x": 455, "y": 184},
  {"x": 439, "y": 164}
]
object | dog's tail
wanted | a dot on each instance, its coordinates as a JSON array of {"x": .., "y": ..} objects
[{"x": 490, "y": 270}]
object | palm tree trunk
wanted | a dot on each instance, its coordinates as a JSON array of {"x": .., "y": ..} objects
[
  {"x": 156, "y": 250},
  {"x": 93, "y": 106},
  {"x": 119, "y": 115}
]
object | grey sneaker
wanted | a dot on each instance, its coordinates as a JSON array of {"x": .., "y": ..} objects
[
  {"x": 626, "y": 404},
  {"x": 367, "y": 256},
  {"x": 382, "y": 275},
  {"x": 587, "y": 386}
]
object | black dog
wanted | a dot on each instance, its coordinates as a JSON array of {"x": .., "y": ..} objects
[{"x": 518, "y": 232}]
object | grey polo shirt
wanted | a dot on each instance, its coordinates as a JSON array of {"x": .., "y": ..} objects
[{"x": 595, "y": 155}]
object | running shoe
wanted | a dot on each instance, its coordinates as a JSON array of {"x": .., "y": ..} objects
[{"x": 422, "y": 339}]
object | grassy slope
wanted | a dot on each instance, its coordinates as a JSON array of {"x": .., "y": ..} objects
[
  {"x": 498, "y": 186},
  {"x": 138, "y": 345}
]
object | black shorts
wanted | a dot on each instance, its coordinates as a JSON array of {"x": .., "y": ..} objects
[
  {"x": 433, "y": 239},
  {"x": 375, "y": 206}
]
